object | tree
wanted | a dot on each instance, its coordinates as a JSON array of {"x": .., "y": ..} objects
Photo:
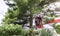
[{"x": 21, "y": 7}]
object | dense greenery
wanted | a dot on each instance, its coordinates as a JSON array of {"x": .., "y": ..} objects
[
  {"x": 20, "y": 10},
  {"x": 8, "y": 30},
  {"x": 23, "y": 8},
  {"x": 57, "y": 29},
  {"x": 11, "y": 30}
]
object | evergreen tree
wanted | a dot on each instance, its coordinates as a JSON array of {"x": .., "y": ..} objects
[{"x": 21, "y": 8}]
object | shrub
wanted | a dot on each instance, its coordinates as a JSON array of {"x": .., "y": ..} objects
[
  {"x": 43, "y": 32},
  {"x": 14, "y": 30},
  {"x": 57, "y": 29},
  {"x": 46, "y": 32},
  {"x": 8, "y": 30}
]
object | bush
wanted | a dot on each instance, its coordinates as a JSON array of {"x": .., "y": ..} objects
[
  {"x": 14, "y": 30},
  {"x": 6, "y": 30},
  {"x": 9, "y": 30},
  {"x": 57, "y": 29},
  {"x": 43, "y": 32},
  {"x": 46, "y": 32}
]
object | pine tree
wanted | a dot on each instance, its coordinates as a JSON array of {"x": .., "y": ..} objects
[{"x": 21, "y": 8}]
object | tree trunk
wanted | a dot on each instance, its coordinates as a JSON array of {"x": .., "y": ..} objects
[
  {"x": 31, "y": 21},
  {"x": 31, "y": 27}
]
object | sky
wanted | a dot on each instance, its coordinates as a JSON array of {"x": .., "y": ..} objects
[{"x": 3, "y": 9}]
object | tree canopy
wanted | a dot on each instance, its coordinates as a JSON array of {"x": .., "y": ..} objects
[{"x": 24, "y": 8}]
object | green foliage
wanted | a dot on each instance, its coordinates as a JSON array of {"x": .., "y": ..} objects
[
  {"x": 10, "y": 17},
  {"x": 21, "y": 8},
  {"x": 57, "y": 29},
  {"x": 43, "y": 32},
  {"x": 49, "y": 17},
  {"x": 46, "y": 32},
  {"x": 10, "y": 30}
]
